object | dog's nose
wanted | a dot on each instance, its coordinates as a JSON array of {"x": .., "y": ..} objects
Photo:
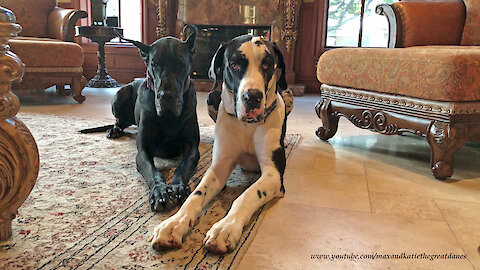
[{"x": 252, "y": 98}]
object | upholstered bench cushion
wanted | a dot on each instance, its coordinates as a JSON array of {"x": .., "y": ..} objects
[
  {"x": 43, "y": 52},
  {"x": 444, "y": 73}
]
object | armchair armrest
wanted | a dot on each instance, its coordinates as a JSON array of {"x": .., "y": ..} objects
[
  {"x": 61, "y": 23},
  {"x": 424, "y": 23}
]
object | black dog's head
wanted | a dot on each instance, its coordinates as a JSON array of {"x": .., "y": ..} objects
[
  {"x": 251, "y": 68},
  {"x": 169, "y": 64}
]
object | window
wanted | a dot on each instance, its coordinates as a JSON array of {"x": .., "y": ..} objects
[
  {"x": 127, "y": 14},
  {"x": 354, "y": 23}
]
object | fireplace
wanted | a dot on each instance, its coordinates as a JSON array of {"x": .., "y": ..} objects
[
  {"x": 211, "y": 36},
  {"x": 220, "y": 20}
]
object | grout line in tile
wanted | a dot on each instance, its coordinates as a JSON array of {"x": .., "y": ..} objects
[
  {"x": 453, "y": 233},
  {"x": 368, "y": 189}
]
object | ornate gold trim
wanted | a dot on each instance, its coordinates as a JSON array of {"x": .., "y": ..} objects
[
  {"x": 161, "y": 29},
  {"x": 289, "y": 34}
]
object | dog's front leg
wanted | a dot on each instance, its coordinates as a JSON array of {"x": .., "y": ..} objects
[
  {"x": 224, "y": 234},
  {"x": 169, "y": 234},
  {"x": 184, "y": 172},
  {"x": 160, "y": 197}
]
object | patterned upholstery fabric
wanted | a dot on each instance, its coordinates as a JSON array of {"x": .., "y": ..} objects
[
  {"x": 444, "y": 73},
  {"x": 32, "y": 15},
  {"x": 44, "y": 52},
  {"x": 471, "y": 33}
]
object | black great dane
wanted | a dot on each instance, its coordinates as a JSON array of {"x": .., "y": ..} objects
[
  {"x": 163, "y": 106},
  {"x": 250, "y": 129}
]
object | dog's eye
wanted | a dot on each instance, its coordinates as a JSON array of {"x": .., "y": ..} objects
[
  {"x": 265, "y": 66},
  {"x": 154, "y": 64},
  {"x": 234, "y": 66}
]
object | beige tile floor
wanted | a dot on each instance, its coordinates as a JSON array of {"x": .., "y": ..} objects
[{"x": 359, "y": 193}]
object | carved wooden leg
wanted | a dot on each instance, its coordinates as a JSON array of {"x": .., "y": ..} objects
[
  {"x": 329, "y": 121},
  {"x": 78, "y": 83},
  {"x": 19, "y": 161},
  {"x": 445, "y": 140}
]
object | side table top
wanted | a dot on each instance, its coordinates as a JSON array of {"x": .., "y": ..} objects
[{"x": 97, "y": 31}]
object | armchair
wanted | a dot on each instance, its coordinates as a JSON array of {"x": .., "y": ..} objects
[
  {"x": 428, "y": 85},
  {"x": 46, "y": 46}
]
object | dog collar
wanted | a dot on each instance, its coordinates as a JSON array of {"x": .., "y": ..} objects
[
  {"x": 268, "y": 111},
  {"x": 150, "y": 84}
]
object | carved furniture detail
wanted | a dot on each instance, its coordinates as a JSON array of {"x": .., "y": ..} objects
[
  {"x": 19, "y": 160},
  {"x": 395, "y": 91}
]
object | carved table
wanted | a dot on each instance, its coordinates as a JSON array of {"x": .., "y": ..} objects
[
  {"x": 100, "y": 35},
  {"x": 19, "y": 160}
]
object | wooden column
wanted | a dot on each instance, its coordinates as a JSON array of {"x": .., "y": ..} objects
[
  {"x": 289, "y": 35},
  {"x": 19, "y": 161}
]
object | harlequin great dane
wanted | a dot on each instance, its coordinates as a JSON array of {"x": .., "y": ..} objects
[{"x": 250, "y": 129}]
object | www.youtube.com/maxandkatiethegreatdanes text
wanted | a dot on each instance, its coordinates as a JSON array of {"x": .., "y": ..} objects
[{"x": 377, "y": 256}]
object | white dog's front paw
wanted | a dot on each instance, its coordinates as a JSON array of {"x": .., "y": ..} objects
[
  {"x": 169, "y": 234},
  {"x": 223, "y": 236}
]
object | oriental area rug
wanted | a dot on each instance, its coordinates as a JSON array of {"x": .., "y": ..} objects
[{"x": 89, "y": 208}]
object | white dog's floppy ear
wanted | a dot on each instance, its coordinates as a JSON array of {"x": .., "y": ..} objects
[
  {"x": 215, "y": 72},
  {"x": 282, "y": 82},
  {"x": 191, "y": 38}
]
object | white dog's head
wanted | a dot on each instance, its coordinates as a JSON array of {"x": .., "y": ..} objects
[{"x": 250, "y": 68}]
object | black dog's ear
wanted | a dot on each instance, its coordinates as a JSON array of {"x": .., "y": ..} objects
[
  {"x": 191, "y": 37},
  {"x": 282, "y": 82},
  {"x": 215, "y": 72},
  {"x": 143, "y": 48}
]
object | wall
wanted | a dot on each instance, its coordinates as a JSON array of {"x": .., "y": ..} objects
[
  {"x": 311, "y": 43},
  {"x": 124, "y": 63}
]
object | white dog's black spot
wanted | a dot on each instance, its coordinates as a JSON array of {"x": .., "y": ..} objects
[
  {"x": 259, "y": 194},
  {"x": 278, "y": 158},
  {"x": 198, "y": 192}
]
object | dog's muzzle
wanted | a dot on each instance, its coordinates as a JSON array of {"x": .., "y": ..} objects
[
  {"x": 167, "y": 100},
  {"x": 252, "y": 100}
]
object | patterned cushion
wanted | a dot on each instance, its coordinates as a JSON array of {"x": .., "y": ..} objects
[
  {"x": 471, "y": 33},
  {"x": 444, "y": 73},
  {"x": 32, "y": 15},
  {"x": 43, "y": 52}
]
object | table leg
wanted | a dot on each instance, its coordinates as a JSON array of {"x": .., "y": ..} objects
[{"x": 102, "y": 79}]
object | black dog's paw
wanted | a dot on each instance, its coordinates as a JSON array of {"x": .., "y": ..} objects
[
  {"x": 181, "y": 192},
  {"x": 114, "y": 133},
  {"x": 162, "y": 198}
]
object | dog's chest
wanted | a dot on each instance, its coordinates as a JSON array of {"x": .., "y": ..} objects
[{"x": 240, "y": 135}]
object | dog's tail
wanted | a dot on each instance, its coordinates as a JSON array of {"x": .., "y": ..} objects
[{"x": 96, "y": 129}]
